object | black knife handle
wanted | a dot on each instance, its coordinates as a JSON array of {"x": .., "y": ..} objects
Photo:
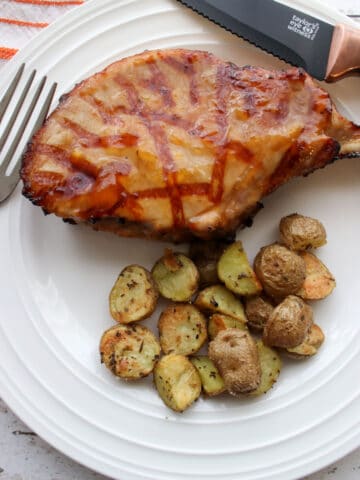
[{"x": 344, "y": 57}]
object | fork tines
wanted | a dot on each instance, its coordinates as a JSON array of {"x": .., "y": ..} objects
[{"x": 21, "y": 118}]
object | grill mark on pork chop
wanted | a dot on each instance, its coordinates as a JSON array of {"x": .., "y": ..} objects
[
  {"x": 222, "y": 91},
  {"x": 91, "y": 140},
  {"x": 158, "y": 84},
  {"x": 186, "y": 66},
  {"x": 162, "y": 146}
]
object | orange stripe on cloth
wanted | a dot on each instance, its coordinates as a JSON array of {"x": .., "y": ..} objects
[
  {"x": 22, "y": 23},
  {"x": 6, "y": 53},
  {"x": 49, "y": 2}
]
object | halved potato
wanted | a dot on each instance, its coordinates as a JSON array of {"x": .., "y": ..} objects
[
  {"x": 219, "y": 299},
  {"x": 182, "y": 329},
  {"x": 235, "y": 354},
  {"x": 298, "y": 232},
  {"x": 129, "y": 351},
  {"x": 270, "y": 364},
  {"x": 319, "y": 281},
  {"x": 280, "y": 270},
  {"x": 211, "y": 380},
  {"x": 258, "y": 310},
  {"x": 133, "y": 296},
  {"x": 177, "y": 381},
  {"x": 310, "y": 345},
  {"x": 205, "y": 254},
  {"x": 289, "y": 323},
  {"x": 218, "y": 322},
  {"x": 235, "y": 271},
  {"x": 176, "y": 276}
]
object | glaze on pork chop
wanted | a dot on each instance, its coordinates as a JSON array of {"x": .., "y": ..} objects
[{"x": 173, "y": 144}]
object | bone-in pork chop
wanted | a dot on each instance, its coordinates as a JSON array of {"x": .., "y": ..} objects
[{"x": 176, "y": 143}]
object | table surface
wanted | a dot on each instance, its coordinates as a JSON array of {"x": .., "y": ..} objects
[{"x": 25, "y": 456}]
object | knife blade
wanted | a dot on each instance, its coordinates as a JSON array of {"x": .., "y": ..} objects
[{"x": 327, "y": 52}]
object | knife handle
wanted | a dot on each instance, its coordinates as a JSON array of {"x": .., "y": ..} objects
[{"x": 344, "y": 57}]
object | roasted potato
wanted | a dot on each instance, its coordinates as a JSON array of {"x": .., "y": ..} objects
[
  {"x": 270, "y": 364},
  {"x": 129, "y": 351},
  {"x": 205, "y": 254},
  {"x": 236, "y": 356},
  {"x": 235, "y": 271},
  {"x": 133, "y": 296},
  {"x": 176, "y": 276},
  {"x": 257, "y": 309},
  {"x": 280, "y": 271},
  {"x": 218, "y": 322},
  {"x": 182, "y": 329},
  {"x": 219, "y": 299},
  {"x": 177, "y": 381},
  {"x": 319, "y": 282},
  {"x": 301, "y": 233},
  {"x": 289, "y": 323},
  {"x": 310, "y": 345},
  {"x": 212, "y": 383}
]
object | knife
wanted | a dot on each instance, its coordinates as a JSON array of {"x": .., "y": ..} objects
[{"x": 327, "y": 52}]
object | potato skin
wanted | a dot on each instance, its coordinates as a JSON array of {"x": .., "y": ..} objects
[
  {"x": 133, "y": 296},
  {"x": 129, "y": 351},
  {"x": 236, "y": 356},
  {"x": 280, "y": 270},
  {"x": 176, "y": 276},
  {"x": 258, "y": 310},
  {"x": 182, "y": 329},
  {"x": 298, "y": 232},
  {"x": 177, "y": 381},
  {"x": 289, "y": 323}
]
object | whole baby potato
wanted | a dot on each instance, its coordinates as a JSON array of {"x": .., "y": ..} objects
[
  {"x": 301, "y": 233},
  {"x": 235, "y": 354},
  {"x": 289, "y": 323},
  {"x": 280, "y": 271}
]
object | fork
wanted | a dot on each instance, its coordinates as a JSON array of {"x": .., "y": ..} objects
[{"x": 9, "y": 180}]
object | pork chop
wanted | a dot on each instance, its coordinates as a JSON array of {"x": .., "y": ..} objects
[{"x": 174, "y": 144}]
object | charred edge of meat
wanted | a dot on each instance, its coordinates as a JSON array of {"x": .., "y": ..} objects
[
  {"x": 249, "y": 220},
  {"x": 70, "y": 221}
]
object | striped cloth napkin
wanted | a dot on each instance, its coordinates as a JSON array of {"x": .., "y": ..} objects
[{"x": 21, "y": 20}]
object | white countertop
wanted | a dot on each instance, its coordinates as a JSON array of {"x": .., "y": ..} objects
[{"x": 25, "y": 456}]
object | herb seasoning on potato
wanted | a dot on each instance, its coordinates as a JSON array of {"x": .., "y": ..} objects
[
  {"x": 129, "y": 351},
  {"x": 182, "y": 329},
  {"x": 177, "y": 381},
  {"x": 134, "y": 295},
  {"x": 176, "y": 276},
  {"x": 219, "y": 299},
  {"x": 236, "y": 273}
]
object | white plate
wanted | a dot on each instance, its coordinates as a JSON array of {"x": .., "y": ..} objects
[{"x": 55, "y": 279}]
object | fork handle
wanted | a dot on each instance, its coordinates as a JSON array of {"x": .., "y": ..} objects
[{"x": 344, "y": 57}]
